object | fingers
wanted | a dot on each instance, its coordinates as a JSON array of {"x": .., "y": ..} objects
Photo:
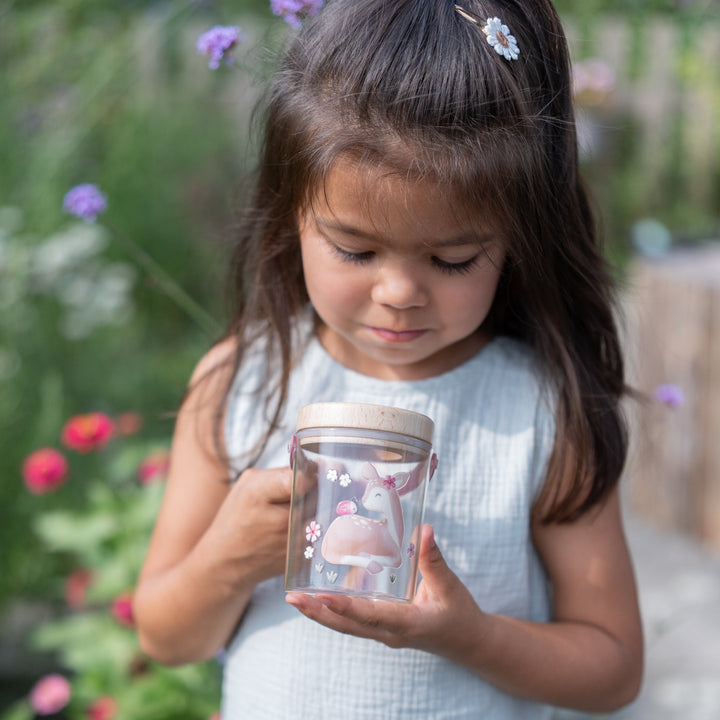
[
  {"x": 385, "y": 621},
  {"x": 273, "y": 486}
]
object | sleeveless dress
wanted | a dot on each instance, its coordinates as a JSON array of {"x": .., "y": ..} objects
[{"x": 494, "y": 431}]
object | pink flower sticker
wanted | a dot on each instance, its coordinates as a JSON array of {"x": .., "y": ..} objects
[
  {"x": 313, "y": 531},
  {"x": 50, "y": 694},
  {"x": 389, "y": 482}
]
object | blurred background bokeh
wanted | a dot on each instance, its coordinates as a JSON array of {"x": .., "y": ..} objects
[{"x": 109, "y": 317}]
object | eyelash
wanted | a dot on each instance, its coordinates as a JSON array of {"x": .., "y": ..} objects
[{"x": 363, "y": 258}]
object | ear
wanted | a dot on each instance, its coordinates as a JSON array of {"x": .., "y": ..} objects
[
  {"x": 369, "y": 472},
  {"x": 401, "y": 480}
]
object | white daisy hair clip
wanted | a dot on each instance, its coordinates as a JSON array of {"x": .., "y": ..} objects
[{"x": 498, "y": 35}]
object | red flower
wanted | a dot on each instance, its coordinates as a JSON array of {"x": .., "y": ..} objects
[
  {"x": 154, "y": 467},
  {"x": 103, "y": 708},
  {"x": 75, "y": 586},
  {"x": 44, "y": 470},
  {"x": 128, "y": 423},
  {"x": 122, "y": 610},
  {"x": 87, "y": 432},
  {"x": 50, "y": 694}
]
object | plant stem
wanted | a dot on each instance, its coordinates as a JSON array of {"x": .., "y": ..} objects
[{"x": 168, "y": 284}]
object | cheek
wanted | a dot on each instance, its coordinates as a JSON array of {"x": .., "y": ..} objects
[{"x": 331, "y": 287}]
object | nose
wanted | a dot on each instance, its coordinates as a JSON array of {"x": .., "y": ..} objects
[{"x": 399, "y": 285}]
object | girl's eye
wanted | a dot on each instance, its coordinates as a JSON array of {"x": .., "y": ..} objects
[
  {"x": 351, "y": 257},
  {"x": 455, "y": 268}
]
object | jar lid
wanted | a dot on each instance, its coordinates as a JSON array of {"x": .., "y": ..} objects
[{"x": 364, "y": 416}]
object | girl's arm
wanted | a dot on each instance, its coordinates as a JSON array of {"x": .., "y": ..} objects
[
  {"x": 589, "y": 657},
  {"x": 201, "y": 570}
]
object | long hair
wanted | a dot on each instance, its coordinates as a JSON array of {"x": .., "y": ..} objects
[{"x": 414, "y": 86}]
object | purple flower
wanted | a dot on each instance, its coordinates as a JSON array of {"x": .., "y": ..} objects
[
  {"x": 291, "y": 10},
  {"x": 217, "y": 43},
  {"x": 670, "y": 395},
  {"x": 85, "y": 201}
]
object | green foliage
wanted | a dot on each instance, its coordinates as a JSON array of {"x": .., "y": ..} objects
[
  {"x": 113, "y": 94},
  {"x": 108, "y": 537}
]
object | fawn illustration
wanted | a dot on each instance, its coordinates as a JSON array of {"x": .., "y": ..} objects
[{"x": 368, "y": 542}]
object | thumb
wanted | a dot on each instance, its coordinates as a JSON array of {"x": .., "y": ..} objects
[{"x": 431, "y": 563}]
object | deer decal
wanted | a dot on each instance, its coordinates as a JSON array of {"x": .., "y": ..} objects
[{"x": 366, "y": 542}]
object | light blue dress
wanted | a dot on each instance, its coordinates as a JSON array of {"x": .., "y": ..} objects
[{"x": 494, "y": 431}]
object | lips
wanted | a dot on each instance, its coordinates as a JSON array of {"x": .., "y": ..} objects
[{"x": 397, "y": 336}]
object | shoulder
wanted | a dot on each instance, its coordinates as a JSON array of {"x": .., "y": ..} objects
[{"x": 218, "y": 358}]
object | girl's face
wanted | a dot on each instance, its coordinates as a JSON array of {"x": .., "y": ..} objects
[{"x": 401, "y": 282}]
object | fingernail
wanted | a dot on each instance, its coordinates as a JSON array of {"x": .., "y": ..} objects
[{"x": 431, "y": 539}]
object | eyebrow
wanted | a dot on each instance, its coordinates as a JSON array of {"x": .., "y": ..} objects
[{"x": 458, "y": 241}]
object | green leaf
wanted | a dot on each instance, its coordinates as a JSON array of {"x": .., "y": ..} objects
[
  {"x": 89, "y": 641},
  {"x": 78, "y": 534},
  {"x": 21, "y": 710}
]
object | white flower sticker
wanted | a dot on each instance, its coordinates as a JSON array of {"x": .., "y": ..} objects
[
  {"x": 498, "y": 35},
  {"x": 309, "y": 552},
  {"x": 332, "y": 475},
  {"x": 313, "y": 531},
  {"x": 345, "y": 480}
]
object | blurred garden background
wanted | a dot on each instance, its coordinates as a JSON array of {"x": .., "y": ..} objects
[{"x": 108, "y": 318}]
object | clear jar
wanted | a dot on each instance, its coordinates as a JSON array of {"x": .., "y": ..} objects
[{"x": 360, "y": 474}]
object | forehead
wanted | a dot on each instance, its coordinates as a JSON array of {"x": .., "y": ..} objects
[{"x": 371, "y": 195}]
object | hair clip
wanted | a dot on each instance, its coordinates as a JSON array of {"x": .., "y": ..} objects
[{"x": 498, "y": 35}]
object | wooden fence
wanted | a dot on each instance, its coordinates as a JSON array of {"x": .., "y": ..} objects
[{"x": 667, "y": 82}]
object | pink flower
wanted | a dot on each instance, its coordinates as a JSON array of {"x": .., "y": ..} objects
[
  {"x": 128, "y": 423},
  {"x": 50, "y": 694},
  {"x": 154, "y": 467},
  {"x": 44, "y": 470},
  {"x": 313, "y": 531},
  {"x": 122, "y": 610},
  {"x": 103, "y": 708},
  {"x": 84, "y": 433},
  {"x": 76, "y": 586},
  {"x": 389, "y": 482}
]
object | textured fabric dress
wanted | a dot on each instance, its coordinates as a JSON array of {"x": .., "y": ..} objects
[{"x": 494, "y": 431}]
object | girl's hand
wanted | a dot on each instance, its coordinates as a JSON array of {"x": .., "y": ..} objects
[
  {"x": 251, "y": 526},
  {"x": 443, "y": 618}
]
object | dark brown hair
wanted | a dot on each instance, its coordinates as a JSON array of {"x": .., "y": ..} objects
[{"x": 414, "y": 86}]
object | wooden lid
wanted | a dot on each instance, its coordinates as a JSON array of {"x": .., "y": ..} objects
[{"x": 364, "y": 416}]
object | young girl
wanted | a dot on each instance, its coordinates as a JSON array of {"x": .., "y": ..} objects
[{"x": 419, "y": 237}]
